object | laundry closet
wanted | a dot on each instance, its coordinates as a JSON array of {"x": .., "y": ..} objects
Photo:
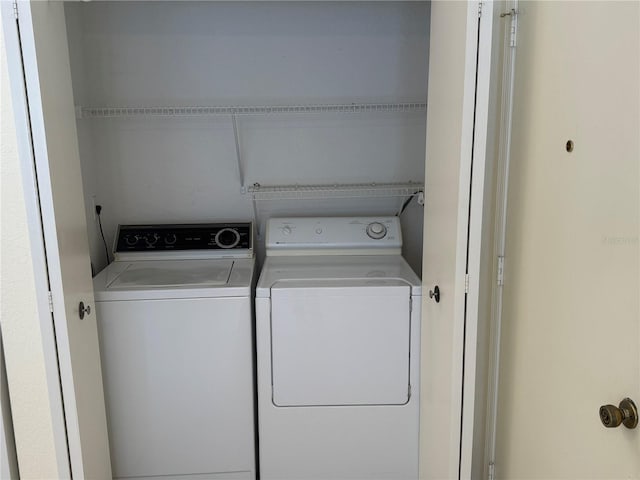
[
  {"x": 211, "y": 112},
  {"x": 226, "y": 111}
]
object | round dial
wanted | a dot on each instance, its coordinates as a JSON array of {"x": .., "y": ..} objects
[
  {"x": 170, "y": 238},
  {"x": 151, "y": 239},
  {"x": 131, "y": 239},
  {"x": 376, "y": 230},
  {"x": 227, "y": 238}
]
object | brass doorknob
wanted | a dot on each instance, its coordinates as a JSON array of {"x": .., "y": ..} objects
[{"x": 626, "y": 414}]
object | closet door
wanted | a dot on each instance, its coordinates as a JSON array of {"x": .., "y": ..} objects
[
  {"x": 55, "y": 159},
  {"x": 571, "y": 309},
  {"x": 456, "y": 152}
]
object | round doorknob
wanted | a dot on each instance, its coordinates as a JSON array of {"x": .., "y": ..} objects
[
  {"x": 82, "y": 310},
  {"x": 626, "y": 414},
  {"x": 435, "y": 294}
]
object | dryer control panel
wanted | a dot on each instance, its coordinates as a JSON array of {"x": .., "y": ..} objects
[{"x": 334, "y": 235}]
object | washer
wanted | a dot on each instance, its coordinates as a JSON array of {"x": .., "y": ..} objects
[
  {"x": 176, "y": 342},
  {"x": 338, "y": 338}
]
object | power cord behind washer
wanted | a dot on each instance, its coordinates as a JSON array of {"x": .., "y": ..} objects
[{"x": 104, "y": 241}]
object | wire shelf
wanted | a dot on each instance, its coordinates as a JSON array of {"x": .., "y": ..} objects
[
  {"x": 350, "y": 190},
  {"x": 206, "y": 111}
]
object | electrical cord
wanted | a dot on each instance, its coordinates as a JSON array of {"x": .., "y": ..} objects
[
  {"x": 405, "y": 204},
  {"x": 104, "y": 241}
]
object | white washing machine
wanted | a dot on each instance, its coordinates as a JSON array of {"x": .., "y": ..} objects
[
  {"x": 338, "y": 351},
  {"x": 176, "y": 342}
]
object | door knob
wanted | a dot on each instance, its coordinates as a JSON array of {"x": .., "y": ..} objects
[
  {"x": 82, "y": 310},
  {"x": 435, "y": 293},
  {"x": 626, "y": 414}
]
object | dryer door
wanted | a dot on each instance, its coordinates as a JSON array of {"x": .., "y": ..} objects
[{"x": 340, "y": 342}]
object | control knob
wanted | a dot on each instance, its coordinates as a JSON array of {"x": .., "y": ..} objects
[
  {"x": 131, "y": 239},
  {"x": 170, "y": 238},
  {"x": 227, "y": 238},
  {"x": 151, "y": 239},
  {"x": 376, "y": 230}
]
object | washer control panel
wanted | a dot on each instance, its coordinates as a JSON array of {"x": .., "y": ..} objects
[
  {"x": 334, "y": 233},
  {"x": 209, "y": 236}
]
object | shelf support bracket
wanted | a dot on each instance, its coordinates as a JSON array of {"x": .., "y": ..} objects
[
  {"x": 256, "y": 221},
  {"x": 236, "y": 136}
]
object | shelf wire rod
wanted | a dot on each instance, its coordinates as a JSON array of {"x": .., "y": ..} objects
[
  {"x": 236, "y": 136},
  {"x": 190, "y": 111}
]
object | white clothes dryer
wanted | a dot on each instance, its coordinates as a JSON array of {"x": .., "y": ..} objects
[
  {"x": 338, "y": 351},
  {"x": 175, "y": 327}
]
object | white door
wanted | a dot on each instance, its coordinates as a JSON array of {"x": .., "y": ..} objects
[
  {"x": 51, "y": 114},
  {"x": 457, "y": 120},
  {"x": 571, "y": 314}
]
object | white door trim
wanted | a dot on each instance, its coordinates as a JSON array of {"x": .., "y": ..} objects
[{"x": 36, "y": 234}]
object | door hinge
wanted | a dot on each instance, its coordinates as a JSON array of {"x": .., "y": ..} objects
[
  {"x": 492, "y": 471},
  {"x": 500, "y": 271},
  {"x": 513, "y": 28},
  {"x": 15, "y": 9},
  {"x": 409, "y": 392},
  {"x": 410, "y": 305},
  {"x": 466, "y": 283},
  {"x": 480, "y": 9},
  {"x": 50, "y": 298}
]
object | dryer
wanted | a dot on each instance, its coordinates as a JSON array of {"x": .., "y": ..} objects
[
  {"x": 175, "y": 327},
  {"x": 338, "y": 351}
]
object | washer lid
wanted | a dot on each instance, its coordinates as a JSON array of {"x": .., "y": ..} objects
[
  {"x": 166, "y": 279},
  {"x": 178, "y": 273}
]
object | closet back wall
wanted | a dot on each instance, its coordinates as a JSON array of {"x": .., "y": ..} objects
[{"x": 184, "y": 169}]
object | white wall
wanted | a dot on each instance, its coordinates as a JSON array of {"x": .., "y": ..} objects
[
  {"x": 21, "y": 332},
  {"x": 196, "y": 53}
]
